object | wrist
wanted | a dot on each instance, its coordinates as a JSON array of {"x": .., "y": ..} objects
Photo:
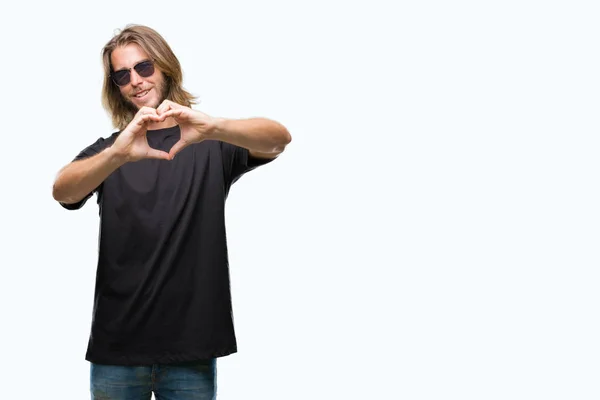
[
  {"x": 219, "y": 129},
  {"x": 115, "y": 157}
]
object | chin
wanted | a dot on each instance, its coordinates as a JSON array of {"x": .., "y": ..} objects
[
  {"x": 148, "y": 103},
  {"x": 154, "y": 100}
]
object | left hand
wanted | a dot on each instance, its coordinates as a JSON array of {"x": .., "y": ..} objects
[{"x": 195, "y": 126}]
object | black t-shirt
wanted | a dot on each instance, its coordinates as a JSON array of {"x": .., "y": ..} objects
[{"x": 162, "y": 291}]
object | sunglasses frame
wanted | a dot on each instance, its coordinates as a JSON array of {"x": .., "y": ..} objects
[{"x": 112, "y": 74}]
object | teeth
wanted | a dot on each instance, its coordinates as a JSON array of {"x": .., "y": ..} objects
[{"x": 142, "y": 94}]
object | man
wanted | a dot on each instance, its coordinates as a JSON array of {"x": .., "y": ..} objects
[{"x": 162, "y": 304}]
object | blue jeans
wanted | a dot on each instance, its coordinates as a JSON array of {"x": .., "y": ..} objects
[{"x": 195, "y": 380}]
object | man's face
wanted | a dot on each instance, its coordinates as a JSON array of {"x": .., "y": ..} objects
[{"x": 139, "y": 91}]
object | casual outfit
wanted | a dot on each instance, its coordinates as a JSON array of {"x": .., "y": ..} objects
[{"x": 162, "y": 293}]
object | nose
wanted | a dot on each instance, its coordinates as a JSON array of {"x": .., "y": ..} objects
[{"x": 135, "y": 78}]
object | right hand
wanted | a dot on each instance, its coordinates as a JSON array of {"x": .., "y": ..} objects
[{"x": 132, "y": 144}]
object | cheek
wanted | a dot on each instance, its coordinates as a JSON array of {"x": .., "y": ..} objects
[
  {"x": 124, "y": 92},
  {"x": 160, "y": 88}
]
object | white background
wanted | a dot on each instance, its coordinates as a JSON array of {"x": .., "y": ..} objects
[{"x": 430, "y": 233}]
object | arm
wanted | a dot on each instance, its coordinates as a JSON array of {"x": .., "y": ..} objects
[
  {"x": 262, "y": 137},
  {"x": 79, "y": 178}
]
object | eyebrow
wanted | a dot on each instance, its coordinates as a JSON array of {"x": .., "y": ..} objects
[{"x": 127, "y": 69}]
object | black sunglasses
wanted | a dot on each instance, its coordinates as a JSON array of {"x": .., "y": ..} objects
[{"x": 123, "y": 76}]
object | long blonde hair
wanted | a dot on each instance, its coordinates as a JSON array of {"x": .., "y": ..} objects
[{"x": 121, "y": 111}]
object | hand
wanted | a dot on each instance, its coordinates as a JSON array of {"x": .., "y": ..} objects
[
  {"x": 195, "y": 126},
  {"x": 132, "y": 144}
]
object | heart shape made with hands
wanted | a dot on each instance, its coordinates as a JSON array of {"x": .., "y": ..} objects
[{"x": 195, "y": 126}]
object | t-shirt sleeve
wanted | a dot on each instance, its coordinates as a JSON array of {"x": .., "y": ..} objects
[
  {"x": 89, "y": 151},
  {"x": 237, "y": 161}
]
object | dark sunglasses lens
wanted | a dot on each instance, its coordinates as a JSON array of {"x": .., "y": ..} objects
[
  {"x": 121, "y": 78},
  {"x": 145, "y": 69}
]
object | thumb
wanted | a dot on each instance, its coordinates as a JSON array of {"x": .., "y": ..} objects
[
  {"x": 158, "y": 154},
  {"x": 177, "y": 147}
]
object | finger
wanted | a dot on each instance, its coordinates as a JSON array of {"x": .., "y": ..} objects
[
  {"x": 177, "y": 113},
  {"x": 166, "y": 105},
  {"x": 140, "y": 120},
  {"x": 158, "y": 154},
  {"x": 147, "y": 110},
  {"x": 177, "y": 147},
  {"x": 149, "y": 118},
  {"x": 143, "y": 120}
]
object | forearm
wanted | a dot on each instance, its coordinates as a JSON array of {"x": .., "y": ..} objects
[
  {"x": 79, "y": 178},
  {"x": 257, "y": 134}
]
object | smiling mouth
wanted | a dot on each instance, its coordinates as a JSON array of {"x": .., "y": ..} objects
[{"x": 141, "y": 94}]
